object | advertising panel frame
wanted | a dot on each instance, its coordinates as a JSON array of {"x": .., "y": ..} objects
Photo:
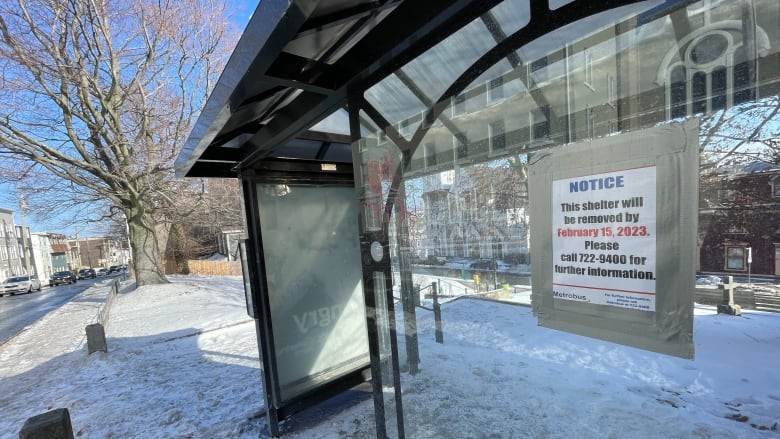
[{"x": 303, "y": 174}]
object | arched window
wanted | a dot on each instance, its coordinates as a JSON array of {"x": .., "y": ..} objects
[{"x": 708, "y": 69}]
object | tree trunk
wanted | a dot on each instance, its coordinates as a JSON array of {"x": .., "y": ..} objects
[
  {"x": 146, "y": 254},
  {"x": 179, "y": 249}
]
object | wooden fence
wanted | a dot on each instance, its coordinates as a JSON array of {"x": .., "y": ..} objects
[{"x": 207, "y": 268}]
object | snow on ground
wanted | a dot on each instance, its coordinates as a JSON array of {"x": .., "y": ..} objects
[{"x": 183, "y": 363}]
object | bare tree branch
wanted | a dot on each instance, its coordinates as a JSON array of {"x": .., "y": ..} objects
[{"x": 102, "y": 95}]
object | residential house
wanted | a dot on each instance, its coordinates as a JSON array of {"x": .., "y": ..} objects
[
  {"x": 739, "y": 230},
  {"x": 10, "y": 260}
]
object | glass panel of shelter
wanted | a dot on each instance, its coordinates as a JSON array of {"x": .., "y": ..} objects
[{"x": 465, "y": 199}]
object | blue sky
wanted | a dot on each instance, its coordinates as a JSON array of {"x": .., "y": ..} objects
[
  {"x": 239, "y": 14},
  {"x": 10, "y": 200},
  {"x": 9, "y": 193}
]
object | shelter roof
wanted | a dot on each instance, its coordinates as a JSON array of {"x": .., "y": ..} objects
[
  {"x": 283, "y": 93},
  {"x": 283, "y": 90}
]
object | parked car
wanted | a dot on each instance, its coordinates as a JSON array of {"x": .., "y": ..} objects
[
  {"x": 21, "y": 284},
  {"x": 484, "y": 264},
  {"x": 102, "y": 272},
  {"x": 117, "y": 268},
  {"x": 87, "y": 273},
  {"x": 62, "y": 277}
]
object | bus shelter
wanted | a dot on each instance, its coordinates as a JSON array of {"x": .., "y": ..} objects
[{"x": 372, "y": 138}]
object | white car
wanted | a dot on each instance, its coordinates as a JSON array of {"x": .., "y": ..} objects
[{"x": 20, "y": 284}]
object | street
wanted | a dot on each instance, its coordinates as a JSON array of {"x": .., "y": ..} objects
[{"x": 19, "y": 311}]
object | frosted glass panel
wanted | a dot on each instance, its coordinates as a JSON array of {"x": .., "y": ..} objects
[{"x": 314, "y": 278}]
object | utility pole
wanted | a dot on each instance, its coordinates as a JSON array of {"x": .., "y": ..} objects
[
  {"x": 24, "y": 234},
  {"x": 78, "y": 250},
  {"x": 89, "y": 255},
  {"x": 129, "y": 248}
]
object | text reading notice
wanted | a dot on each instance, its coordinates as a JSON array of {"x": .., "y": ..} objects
[{"x": 603, "y": 234}]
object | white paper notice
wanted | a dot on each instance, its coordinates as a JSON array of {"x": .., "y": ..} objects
[{"x": 603, "y": 230}]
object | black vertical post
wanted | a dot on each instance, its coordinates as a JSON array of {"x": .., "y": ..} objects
[
  {"x": 369, "y": 296},
  {"x": 261, "y": 305},
  {"x": 495, "y": 273},
  {"x": 437, "y": 312}
]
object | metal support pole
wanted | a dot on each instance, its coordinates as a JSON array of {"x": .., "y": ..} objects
[
  {"x": 495, "y": 273},
  {"x": 437, "y": 312}
]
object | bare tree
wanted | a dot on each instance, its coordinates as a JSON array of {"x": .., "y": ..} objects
[
  {"x": 98, "y": 96},
  {"x": 743, "y": 134}
]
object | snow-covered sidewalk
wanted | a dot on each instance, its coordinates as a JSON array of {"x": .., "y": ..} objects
[
  {"x": 183, "y": 363},
  {"x": 61, "y": 331}
]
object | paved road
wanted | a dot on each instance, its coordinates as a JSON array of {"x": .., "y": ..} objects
[{"x": 19, "y": 311}]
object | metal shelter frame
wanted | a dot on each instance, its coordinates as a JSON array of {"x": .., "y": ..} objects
[{"x": 292, "y": 98}]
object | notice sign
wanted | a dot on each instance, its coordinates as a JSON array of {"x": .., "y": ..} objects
[
  {"x": 613, "y": 237},
  {"x": 604, "y": 239}
]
